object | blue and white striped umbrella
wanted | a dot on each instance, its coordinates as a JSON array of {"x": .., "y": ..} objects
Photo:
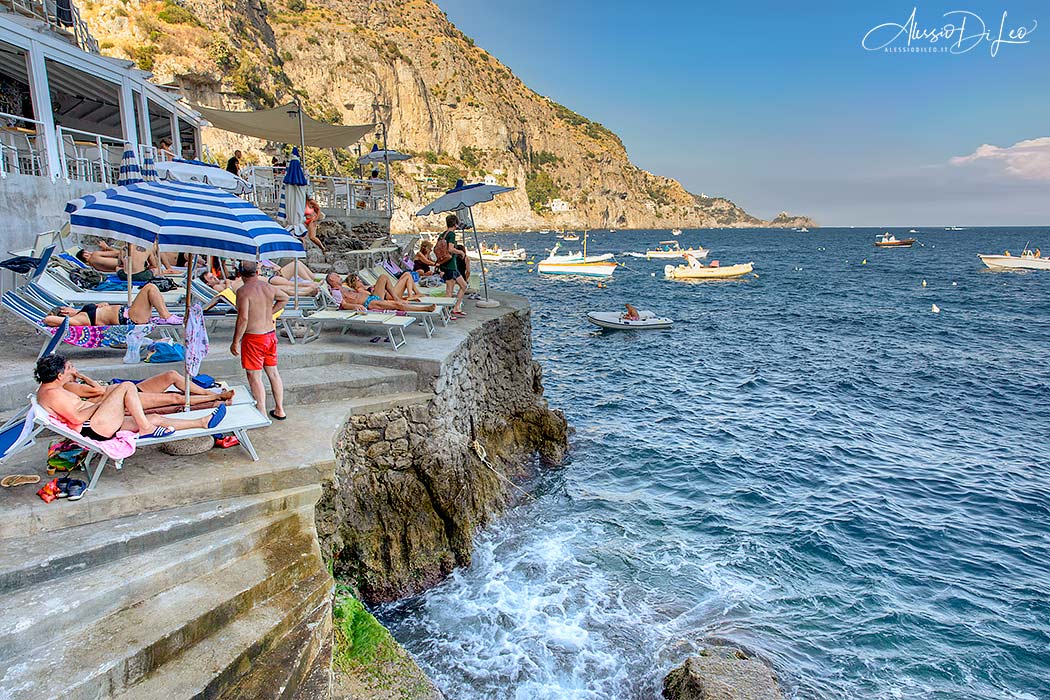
[
  {"x": 129, "y": 172},
  {"x": 149, "y": 166},
  {"x": 188, "y": 217}
]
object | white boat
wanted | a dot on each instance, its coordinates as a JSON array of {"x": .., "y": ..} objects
[
  {"x": 676, "y": 232},
  {"x": 577, "y": 263},
  {"x": 911, "y": 230},
  {"x": 888, "y": 240},
  {"x": 570, "y": 237},
  {"x": 615, "y": 320},
  {"x": 545, "y": 230},
  {"x": 953, "y": 228},
  {"x": 1027, "y": 260},
  {"x": 714, "y": 271},
  {"x": 670, "y": 250},
  {"x": 803, "y": 230},
  {"x": 498, "y": 254}
]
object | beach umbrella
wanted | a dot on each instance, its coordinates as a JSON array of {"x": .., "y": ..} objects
[
  {"x": 461, "y": 198},
  {"x": 292, "y": 207},
  {"x": 149, "y": 166},
  {"x": 190, "y": 217},
  {"x": 382, "y": 155},
  {"x": 181, "y": 170},
  {"x": 129, "y": 172}
]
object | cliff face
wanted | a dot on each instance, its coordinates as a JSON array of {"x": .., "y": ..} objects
[{"x": 459, "y": 110}]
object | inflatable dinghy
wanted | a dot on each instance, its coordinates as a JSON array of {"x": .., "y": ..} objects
[{"x": 615, "y": 320}]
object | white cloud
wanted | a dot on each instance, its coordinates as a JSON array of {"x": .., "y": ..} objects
[{"x": 1029, "y": 160}]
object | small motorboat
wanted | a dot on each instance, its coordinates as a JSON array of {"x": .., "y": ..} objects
[
  {"x": 911, "y": 230},
  {"x": 714, "y": 271},
  {"x": 570, "y": 237},
  {"x": 669, "y": 250},
  {"x": 498, "y": 254},
  {"x": 676, "y": 232},
  {"x": 577, "y": 263},
  {"x": 1027, "y": 260},
  {"x": 617, "y": 320},
  {"x": 888, "y": 240}
]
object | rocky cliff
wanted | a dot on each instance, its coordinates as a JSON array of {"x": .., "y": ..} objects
[{"x": 450, "y": 103}]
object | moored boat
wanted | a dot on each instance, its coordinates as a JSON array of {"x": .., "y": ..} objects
[
  {"x": 676, "y": 232},
  {"x": 577, "y": 263},
  {"x": 669, "y": 250},
  {"x": 714, "y": 271},
  {"x": 888, "y": 240},
  {"x": 1027, "y": 260},
  {"x": 615, "y": 320},
  {"x": 498, "y": 254},
  {"x": 570, "y": 237}
]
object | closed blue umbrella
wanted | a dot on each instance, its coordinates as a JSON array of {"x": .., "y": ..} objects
[
  {"x": 129, "y": 173},
  {"x": 149, "y": 166},
  {"x": 463, "y": 197}
]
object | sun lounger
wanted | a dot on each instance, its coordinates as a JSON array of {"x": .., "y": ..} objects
[
  {"x": 239, "y": 419},
  {"x": 46, "y": 301},
  {"x": 393, "y": 324},
  {"x": 56, "y": 280}
]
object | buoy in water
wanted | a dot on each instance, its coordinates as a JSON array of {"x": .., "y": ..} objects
[
  {"x": 652, "y": 274},
  {"x": 935, "y": 309},
  {"x": 864, "y": 261},
  {"x": 955, "y": 284},
  {"x": 924, "y": 283}
]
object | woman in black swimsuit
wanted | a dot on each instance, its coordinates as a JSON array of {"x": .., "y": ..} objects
[{"x": 149, "y": 299}]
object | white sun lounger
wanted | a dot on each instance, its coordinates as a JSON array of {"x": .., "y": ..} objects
[
  {"x": 393, "y": 325},
  {"x": 239, "y": 419}
]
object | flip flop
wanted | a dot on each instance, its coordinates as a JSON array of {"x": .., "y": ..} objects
[
  {"x": 376, "y": 339},
  {"x": 19, "y": 480},
  {"x": 273, "y": 414},
  {"x": 161, "y": 431},
  {"x": 217, "y": 415}
]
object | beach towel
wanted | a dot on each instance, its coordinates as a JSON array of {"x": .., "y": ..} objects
[
  {"x": 196, "y": 340},
  {"x": 89, "y": 337},
  {"x": 119, "y": 446}
]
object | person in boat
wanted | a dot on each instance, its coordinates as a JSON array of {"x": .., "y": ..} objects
[
  {"x": 694, "y": 263},
  {"x": 1038, "y": 253},
  {"x": 632, "y": 313},
  {"x": 153, "y": 392},
  {"x": 120, "y": 409},
  {"x": 148, "y": 300}
]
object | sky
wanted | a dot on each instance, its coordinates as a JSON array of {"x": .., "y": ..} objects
[{"x": 779, "y": 106}]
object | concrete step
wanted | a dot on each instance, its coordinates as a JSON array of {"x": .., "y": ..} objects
[
  {"x": 336, "y": 382},
  {"x": 212, "y": 667},
  {"x": 45, "y": 612},
  {"x": 293, "y": 662},
  {"x": 266, "y": 589}
]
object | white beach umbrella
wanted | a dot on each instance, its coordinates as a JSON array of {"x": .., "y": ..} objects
[
  {"x": 382, "y": 155},
  {"x": 198, "y": 171},
  {"x": 463, "y": 197}
]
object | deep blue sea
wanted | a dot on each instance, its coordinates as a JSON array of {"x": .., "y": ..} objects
[{"x": 811, "y": 464}]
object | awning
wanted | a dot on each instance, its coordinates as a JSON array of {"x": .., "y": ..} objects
[{"x": 281, "y": 124}]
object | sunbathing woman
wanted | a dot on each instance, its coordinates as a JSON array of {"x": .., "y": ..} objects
[
  {"x": 404, "y": 289},
  {"x": 107, "y": 416},
  {"x": 358, "y": 297},
  {"x": 153, "y": 392},
  {"x": 307, "y": 287},
  {"x": 141, "y": 311}
]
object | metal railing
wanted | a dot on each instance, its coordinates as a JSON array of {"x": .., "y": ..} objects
[
  {"x": 63, "y": 18},
  {"x": 89, "y": 159},
  {"x": 330, "y": 192},
  {"x": 20, "y": 152}
]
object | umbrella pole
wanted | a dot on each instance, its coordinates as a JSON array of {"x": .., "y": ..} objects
[
  {"x": 486, "y": 303},
  {"x": 127, "y": 271},
  {"x": 186, "y": 324}
]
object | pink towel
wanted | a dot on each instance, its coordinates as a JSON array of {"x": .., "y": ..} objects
[{"x": 119, "y": 446}]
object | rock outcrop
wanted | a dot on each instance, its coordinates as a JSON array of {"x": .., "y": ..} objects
[
  {"x": 452, "y": 104},
  {"x": 411, "y": 489},
  {"x": 721, "y": 673}
]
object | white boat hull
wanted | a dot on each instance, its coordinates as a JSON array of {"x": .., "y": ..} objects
[
  {"x": 1014, "y": 262},
  {"x": 515, "y": 255},
  {"x": 676, "y": 254},
  {"x": 614, "y": 320},
  {"x": 583, "y": 269},
  {"x": 685, "y": 272}
]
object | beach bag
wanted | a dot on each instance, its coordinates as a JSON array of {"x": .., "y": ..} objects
[
  {"x": 65, "y": 456},
  {"x": 441, "y": 252},
  {"x": 165, "y": 352},
  {"x": 136, "y": 338},
  {"x": 86, "y": 278},
  {"x": 165, "y": 284}
]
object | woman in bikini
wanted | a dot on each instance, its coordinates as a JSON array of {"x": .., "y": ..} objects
[
  {"x": 149, "y": 299},
  {"x": 153, "y": 392},
  {"x": 359, "y": 297},
  {"x": 120, "y": 409}
]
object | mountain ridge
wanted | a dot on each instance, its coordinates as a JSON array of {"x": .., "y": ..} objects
[{"x": 453, "y": 105}]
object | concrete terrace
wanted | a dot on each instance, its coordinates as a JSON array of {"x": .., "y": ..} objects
[{"x": 177, "y": 575}]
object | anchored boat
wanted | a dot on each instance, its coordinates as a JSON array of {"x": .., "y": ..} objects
[
  {"x": 577, "y": 263},
  {"x": 498, "y": 254},
  {"x": 888, "y": 240},
  {"x": 670, "y": 250},
  {"x": 697, "y": 271},
  {"x": 1027, "y": 260},
  {"x": 614, "y": 320}
]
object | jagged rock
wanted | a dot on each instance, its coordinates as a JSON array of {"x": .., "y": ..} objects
[{"x": 721, "y": 673}]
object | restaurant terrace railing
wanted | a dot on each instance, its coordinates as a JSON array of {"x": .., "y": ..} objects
[
  {"x": 61, "y": 17},
  {"x": 330, "y": 192},
  {"x": 19, "y": 150},
  {"x": 84, "y": 155}
]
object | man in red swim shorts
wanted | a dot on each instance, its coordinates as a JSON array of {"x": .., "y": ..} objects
[{"x": 255, "y": 337}]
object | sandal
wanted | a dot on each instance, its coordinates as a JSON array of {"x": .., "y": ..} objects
[
  {"x": 161, "y": 431},
  {"x": 217, "y": 415},
  {"x": 19, "y": 480},
  {"x": 273, "y": 414}
]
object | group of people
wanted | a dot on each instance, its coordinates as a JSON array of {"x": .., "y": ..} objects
[{"x": 446, "y": 260}]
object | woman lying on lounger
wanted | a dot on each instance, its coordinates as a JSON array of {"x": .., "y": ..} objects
[
  {"x": 357, "y": 297},
  {"x": 141, "y": 311},
  {"x": 282, "y": 280},
  {"x": 153, "y": 392},
  {"x": 107, "y": 416}
]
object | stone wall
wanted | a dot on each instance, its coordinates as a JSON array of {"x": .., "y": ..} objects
[{"x": 410, "y": 491}]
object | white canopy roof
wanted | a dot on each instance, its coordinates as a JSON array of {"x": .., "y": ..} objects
[{"x": 281, "y": 124}]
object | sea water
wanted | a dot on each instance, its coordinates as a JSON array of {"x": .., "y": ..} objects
[{"x": 811, "y": 465}]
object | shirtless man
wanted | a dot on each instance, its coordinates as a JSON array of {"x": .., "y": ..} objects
[
  {"x": 102, "y": 260},
  {"x": 153, "y": 392},
  {"x": 255, "y": 337},
  {"x": 141, "y": 311},
  {"x": 142, "y": 263},
  {"x": 107, "y": 416}
]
